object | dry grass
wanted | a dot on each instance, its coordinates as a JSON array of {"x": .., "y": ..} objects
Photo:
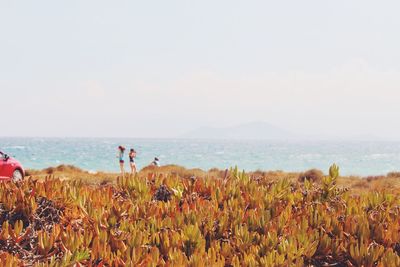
[{"x": 390, "y": 182}]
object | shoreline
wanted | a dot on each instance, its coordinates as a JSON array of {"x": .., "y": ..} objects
[{"x": 355, "y": 158}]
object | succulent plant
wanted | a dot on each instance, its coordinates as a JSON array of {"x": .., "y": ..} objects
[{"x": 169, "y": 220}]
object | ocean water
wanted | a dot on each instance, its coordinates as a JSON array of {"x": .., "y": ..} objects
[{"x": 99, "y": 154}]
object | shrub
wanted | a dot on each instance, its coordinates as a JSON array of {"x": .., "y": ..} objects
[
  {"x": 162, "y": 194},
  {"x": 362, "y": 184},
  {"x": 393, "y": 174},
  {"x": 63, "y": 168},
  {"x": 313, "y": 175},
  {"x": 373, "y": 178}
]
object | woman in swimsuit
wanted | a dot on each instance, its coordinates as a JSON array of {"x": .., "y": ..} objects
[
  {"x": 120, "y": 156},
  {"x": 132, "y": 156}
]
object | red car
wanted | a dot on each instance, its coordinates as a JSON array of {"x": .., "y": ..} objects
[{"x": 10, "y": 169}]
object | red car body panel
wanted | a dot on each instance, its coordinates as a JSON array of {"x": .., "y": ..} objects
[{"x": 7, "y": 167}]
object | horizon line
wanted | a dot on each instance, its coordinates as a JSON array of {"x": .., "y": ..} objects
[{"x": 304, "y": 139}]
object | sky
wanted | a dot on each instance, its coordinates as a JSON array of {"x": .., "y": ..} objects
[{"x": 163, "y": 68}]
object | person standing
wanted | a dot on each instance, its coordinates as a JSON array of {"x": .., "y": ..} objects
[
  {"x": 132, "y": 163},
  {"x": 120, "y": 156}
]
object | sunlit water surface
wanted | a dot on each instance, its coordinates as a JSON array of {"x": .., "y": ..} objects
[{"x": 358, "y": 158}]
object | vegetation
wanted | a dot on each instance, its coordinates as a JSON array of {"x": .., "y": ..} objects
[
  {"x": 192, "y": 218},
  {"x": 312, "y": 175}
]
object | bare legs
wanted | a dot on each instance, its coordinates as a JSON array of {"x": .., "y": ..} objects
[
  {"x": 133, "y": 168},
  {"x": 121, "y": 165}
]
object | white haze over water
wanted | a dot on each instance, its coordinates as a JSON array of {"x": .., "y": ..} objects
[{"x": 330, "y": 69}]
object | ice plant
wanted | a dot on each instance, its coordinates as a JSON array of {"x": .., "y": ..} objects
[{"x": 164, "y": 219}]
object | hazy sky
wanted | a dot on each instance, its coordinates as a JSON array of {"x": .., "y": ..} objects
[{"x": 161, "y": 68}]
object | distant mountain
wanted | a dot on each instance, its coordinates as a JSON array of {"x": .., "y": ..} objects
[{"x": 254, "y": 130}]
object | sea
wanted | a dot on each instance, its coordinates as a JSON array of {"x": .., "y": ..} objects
[{"x": 360, "y": 158}]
